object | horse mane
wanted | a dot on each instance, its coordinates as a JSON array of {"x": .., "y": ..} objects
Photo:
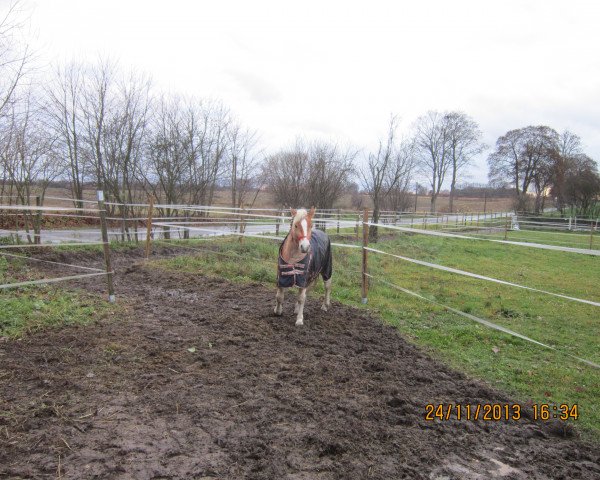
[{"x": 300, "y": 214}]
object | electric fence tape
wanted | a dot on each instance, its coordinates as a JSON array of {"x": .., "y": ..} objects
[{"x": 487, "y": 323}]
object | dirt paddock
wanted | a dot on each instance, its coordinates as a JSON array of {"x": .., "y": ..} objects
[{"x": 202, "y": 381}]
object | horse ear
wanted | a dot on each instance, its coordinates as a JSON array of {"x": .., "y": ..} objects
[
  {"x": 312, "y": 212},
  {"x": 293, "y": 211}
]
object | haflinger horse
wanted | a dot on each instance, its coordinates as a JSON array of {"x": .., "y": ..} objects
[{"x": 304, "y": 254}]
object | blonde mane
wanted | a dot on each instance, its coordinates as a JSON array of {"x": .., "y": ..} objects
[{"x": 300, "y": 214}]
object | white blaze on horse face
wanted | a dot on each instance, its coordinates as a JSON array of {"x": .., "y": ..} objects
[{"x": 304, "y": 243}]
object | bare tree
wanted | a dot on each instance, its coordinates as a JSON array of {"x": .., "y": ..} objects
[
  {"x": 28, "y": 156},
  {"x": 569, "y": 147},
  {"x": 243, "y": 161},
  {"x": 15, "y": 55},
  {"x": 520, "y": 156},
  {"x": 432, "y": 145},
  {"x": 330, "y": 168},
  {"x": 582, "y": 184},
  {"x": 97, "y": 96},
  {"x": 206, "y": 127},
  {"x": 166, "y": 160},
  {"x": 65, "y": 121},
  {"x": 122, "y": 142},
  {"x": 463, "y": 137},
  {"x": 286, "y": 175},
  {"x": 390, "y": 167},
  {"x": 398, "y": 197}
]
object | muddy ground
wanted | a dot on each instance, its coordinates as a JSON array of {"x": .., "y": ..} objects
[{"x": 201, "y": 381}]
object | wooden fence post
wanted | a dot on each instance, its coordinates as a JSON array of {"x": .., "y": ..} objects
[
  {"x": 357, "y": 222},
  {"x": 591, "y": 234},
  {"x": 338, "y": 221},
  {"x": 186, "y": 231},
  {"x": 242, "y": 224},
  {"x": 506, "y": 228},
  {"x": 103, "y": 227},
  {"x": 365, "y": 281},
  {"x": 149, "y": 227},
  {"x": 37, "y": 229}
]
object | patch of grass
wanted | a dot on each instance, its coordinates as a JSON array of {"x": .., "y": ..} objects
[
  {"x": 527, "y": 371},
  {"x": 29, "y": 309},
  {"x": 25, "y": 312}
]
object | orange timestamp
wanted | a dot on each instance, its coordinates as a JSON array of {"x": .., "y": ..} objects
[{"x": 499, "y": 411}]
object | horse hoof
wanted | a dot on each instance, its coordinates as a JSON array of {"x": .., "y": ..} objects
[
  {"x": 299, "y": 323},
  {"x": 277, "y": 311},
  {"x": 324, "y": 307}
]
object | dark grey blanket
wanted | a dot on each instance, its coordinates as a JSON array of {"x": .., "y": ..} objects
[{"x": 316, "y": 261}]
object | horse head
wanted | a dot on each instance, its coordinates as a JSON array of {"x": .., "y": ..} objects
[{"x": 302, "y": 228}]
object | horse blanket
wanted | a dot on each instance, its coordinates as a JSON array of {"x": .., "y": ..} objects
[{"x": 316, "y": 261}]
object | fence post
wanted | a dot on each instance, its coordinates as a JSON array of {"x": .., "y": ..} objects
[
  {"x": 149, "y": 227},
  {"x": 186, "y": 231},
  {"x": 338, "y": 221},
  {"x": 37, "y": 230},
  {"x": 591, "y": 234},
  {"x": 242, "y": 224},
  {"x": 123, "y": 227},
  {"x": 109, "y": 271},
  {"x": 365, "y": 284},
  {"x": 357, "y": 222},
  {"x": 506, "y": 228}
]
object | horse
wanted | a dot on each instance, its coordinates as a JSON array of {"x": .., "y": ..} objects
[{"x": 304, "y": 254}]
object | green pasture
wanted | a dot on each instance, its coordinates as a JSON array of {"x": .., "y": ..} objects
[{"x": 527, "y": 371}]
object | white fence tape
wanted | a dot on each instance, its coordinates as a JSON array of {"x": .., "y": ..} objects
[
  {"x": 466, "y": 237},
  {"x": 33, "y": 208},
  {"x": 224, "y": 234},
  {"x": 210, "y": 230},
  {"x": 32, "y": 245},
  {"x": 50, "y": 261},
  {"x": 482, "y": 277},
  {"x": 49, "y": 280},
  {"x": 487, "y": 323}
]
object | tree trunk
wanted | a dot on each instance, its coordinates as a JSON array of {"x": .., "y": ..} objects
[
  {"x": 452, "y": 188},
  {"x": 373, "y": 230}
]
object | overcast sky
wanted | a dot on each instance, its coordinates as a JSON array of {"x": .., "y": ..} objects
[{"x": 338, "y": 69}]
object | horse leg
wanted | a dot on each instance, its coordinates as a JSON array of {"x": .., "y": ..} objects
[
  {"x": 327, "y": 302},
  {"x": 279, "y": 305},
  {"x": 300, "y": 304}
]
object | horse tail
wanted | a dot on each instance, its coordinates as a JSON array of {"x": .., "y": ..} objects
[{"x": 328, "y": 264}]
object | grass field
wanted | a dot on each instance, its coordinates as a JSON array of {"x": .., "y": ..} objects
[{"x": 529, "y": 372}]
